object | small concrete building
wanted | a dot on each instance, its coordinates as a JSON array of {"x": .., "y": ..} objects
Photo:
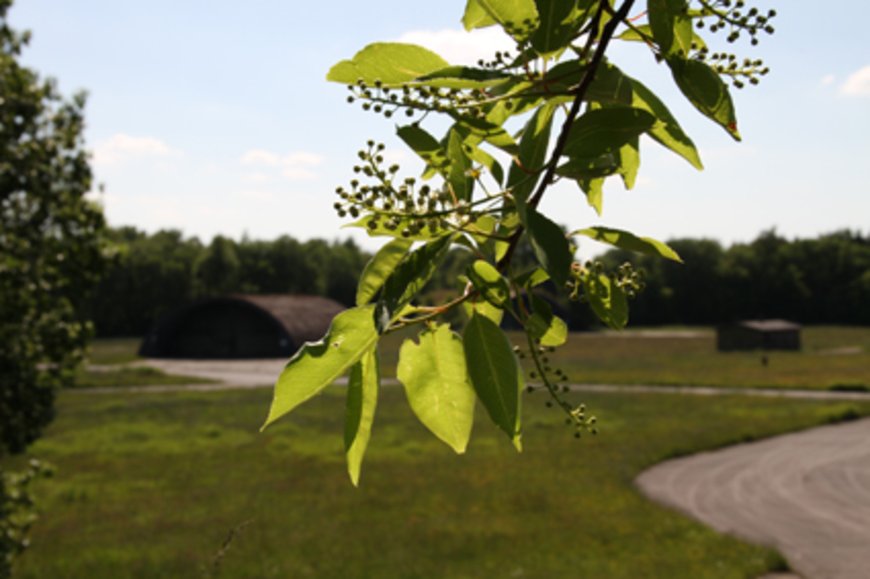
[
  {"x": 241, "y": 326},
  {"x": 758, "y": 335}
]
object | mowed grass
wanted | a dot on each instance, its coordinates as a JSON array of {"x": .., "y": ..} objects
[
  {"x": 832, "y": 357},
  {"x": 121, "y": 376},
  {"x": 150, "y": 485}
]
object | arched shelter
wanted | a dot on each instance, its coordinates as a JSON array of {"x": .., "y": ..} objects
[{"x": 241, "y": 326}]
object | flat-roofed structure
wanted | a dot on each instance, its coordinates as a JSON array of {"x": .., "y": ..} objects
[{"x": 758, "y": 335}]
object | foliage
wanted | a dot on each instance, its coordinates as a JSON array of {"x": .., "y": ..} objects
[
  {"x": 153, "y": 274},
  {"x": 816, "y": 281},
  {"x": 555, "y": 108},
  {"x": 50, "y": 251}
]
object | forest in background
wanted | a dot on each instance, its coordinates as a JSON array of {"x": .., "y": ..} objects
[{"x": 825, "y": 280}]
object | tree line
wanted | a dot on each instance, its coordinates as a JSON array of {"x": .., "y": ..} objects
[
  {"x": 825, "y": 280},
  {"x": 152, "y": 274},
  {"x": 821, "y": 280}
]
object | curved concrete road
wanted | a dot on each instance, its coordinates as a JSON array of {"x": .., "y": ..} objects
[{"x": 807, "y": 494}]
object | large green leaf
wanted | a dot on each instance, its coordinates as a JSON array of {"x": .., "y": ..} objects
[
  {"x": 671, "y": 26},
  {"x": 362, "y": 399},
  {"x": 489, "y": 282},
  {"x": 460, "y": 166},
  {"x": 408, "y": 278},
  {"x": 560, "y": 22},
  {"x": 629, "y": 162},
  {"x": 390, "y": 63},
  {"x": 317, "y": 364},
  {"x": 602, "y": 131},
  {"x": 464, "y": 77},
  {"x": 706, "y": 91},
  {"x": 612, "y": 86},
  {"x": 550, "y": 245},
  {"x": 629, "y": 241},
  {"x": 517, "y": 17},
  {"x": 425, "y": 145},
  {"x": 494, "y": 374},
  {"x": 607, "y": 300},
  {"x": 476, "y": 16},
  {"x": 435, "y": 378},
  {"x": 526, "y": 169},
  {"x": 543, "y": 325},
  {"x": 379, "y": 268}
]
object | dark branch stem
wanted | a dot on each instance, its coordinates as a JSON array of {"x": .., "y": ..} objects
[{"x": 579, "y": 97}]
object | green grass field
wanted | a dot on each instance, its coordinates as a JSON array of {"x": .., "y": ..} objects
[{"x": 149, "y": 485}]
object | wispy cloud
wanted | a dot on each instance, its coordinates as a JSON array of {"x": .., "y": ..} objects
[
  {"x": 295, "y": 166},
  {"x": 121, "y": 147},
  {"x": 457, "y": 46},
  {"x": 828, "y": 79},
  {"x": 858, "y": 83}
]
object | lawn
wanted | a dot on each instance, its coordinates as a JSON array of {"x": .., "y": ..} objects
[{"x": 150, "y": 485}]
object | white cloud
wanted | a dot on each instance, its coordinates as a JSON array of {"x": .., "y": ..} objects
[
  {"x": 120, "y": 147},
  {"x": 828, "y": 79},
  {"x": 858, "y": 83},
  {"x": 296, "y": 166},
  {"x": 457, "y": 46}
]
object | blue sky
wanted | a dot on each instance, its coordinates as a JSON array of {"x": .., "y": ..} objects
[{"x": 214, "y": 117}]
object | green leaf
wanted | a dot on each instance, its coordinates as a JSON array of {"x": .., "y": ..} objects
[
  {"x": 560, "y": 22},
  {"x": 488, "y": 131},
  {"x": 594, "y": 190},
  {"x": 317, "y": 364},
  {"x": 485, "y": 159},
  {"x": 408, "y": 278},
  {"x": 706, "y": 91},
  {"x": 607, "y": 300},
  {"x": 629, "y": 241},
  {"x": 525, "y": 171},
  {"x": 463, "y": 77},
  {"x": 671, "y": 26},
  {"x": 435, "y": 378},
  {"x": 460, "y": 166},
  {"x": 425, "y": 145},
  {"x": 602, "y": 131},
  {"x": 489, "y": 282},
  {"x": 543, "y": 325},
  {"x": 485, "y": 309},
  {"x": 550, "y": 245},
  {"x": 494, "y": 374},
  {"x": 476, "y": 16},
  {"x": 391, "y": 63},
  {"x": 362, "y": 399},
  {"x": 533, "y": 277},
  {"x": 643, "y": 33},
  {"x": 379, "y": 268},
  {"x": 517, "y": 17},
  {"x": 612, "y": 86},
  {"x": 629, "y": 162}
]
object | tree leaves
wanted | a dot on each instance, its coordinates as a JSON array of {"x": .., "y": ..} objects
[
  {"x": 707, "y": 92},
  {"x": 388, "y": 63},
  {"x": 550, "y": 245},
  {"x": 607, "y": 300},
  {"x": 671, "y": 26},
  {"x": 494, "y": 374},
  {"x": 489, "y": 282},
  {"x": 601, "y": 131},
  {"x": 436, "y": 383},
  {"x": 362, "y": 399},
  {"x": 525, "y": 171},
  {"x": 408, "y": 279},
  {"x": 518, "y": 17},
  {"x": 560, "y": 22},
  {"x": 379, "y": 268},
  {"x": 317, "y": 364},
  {"x": 629, "y": 241}
]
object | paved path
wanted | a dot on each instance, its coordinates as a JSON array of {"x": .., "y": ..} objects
[{"x": 807, "y": 494}]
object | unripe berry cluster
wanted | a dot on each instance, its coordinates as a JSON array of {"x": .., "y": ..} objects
[
  {"x": 732, "y": 15},
  {"x": 396, "y": 204},
  {"x": 728, "y": 65},
  {"x": 413, "y": 99}
]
